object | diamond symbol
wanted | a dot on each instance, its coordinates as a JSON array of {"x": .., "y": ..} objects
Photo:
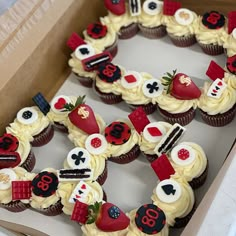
[
  {"x": 154, "y": 131},
  {"x": 130, "y": 78}
]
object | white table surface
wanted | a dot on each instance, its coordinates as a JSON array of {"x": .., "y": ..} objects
[{"x": 137, "y": 180}]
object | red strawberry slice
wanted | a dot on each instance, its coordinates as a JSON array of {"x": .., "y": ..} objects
[
  {"x": 107, "y": 217},
  {"x": 82, "y": 116},
  {"x": 117, "y": 7},
  {"x": 181, "y": 86}
]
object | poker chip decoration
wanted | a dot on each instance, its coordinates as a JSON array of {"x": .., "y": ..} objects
[
  {"x": 27, "y": 115},
  {"x": 97, "y": 30},
  {"x": 150, "y": 219},
  {"x": 96, "y": 144},
  {"x": 109, "y": 72},
  {"x": 184, "y": 16},
  {"x": 117, "y": 133},
  {"x": 44, "y": 184},
  {"x": 8, "y": 142},
  {"x": 231, "y": 64},
  {"x": 213, "y": 20},
  {"x": 152, "y": 7}
]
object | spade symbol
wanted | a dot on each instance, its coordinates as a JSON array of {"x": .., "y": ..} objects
[
  {"x": 84, "y": 51},
  {"x": 213, "y": 94},
  {"x": 168, "y": 189},
  {"x": 80, "y": 192},
  {"x": 217, "y": 88}
]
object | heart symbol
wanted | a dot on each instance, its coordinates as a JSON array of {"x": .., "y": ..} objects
[
  {"x": 220, "y": 83},
  {"x": 83, "y": 186},
  {"x": 215, "y": 91},
  {"x": 60, "y": 103}
]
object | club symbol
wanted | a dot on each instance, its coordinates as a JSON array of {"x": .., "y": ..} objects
[
  {"x": 84, "y": 51},
  {"x": 153, "y": 87},
  {"x": 78, "y": 158}
]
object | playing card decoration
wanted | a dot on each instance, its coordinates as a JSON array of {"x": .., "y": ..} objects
[
  {"x": 80, "y": 192},
  {"x": 58, "y": 103},
  {"x": 217, "y": 88},
  {"x": 150, "y": 219},
  {"x": 152, "y": 88},
  {"x": 131, "y": 79},
  {"x": 139, "y": 119},
  {"x": 117, "y": 7},
  {"x": 21, "y": 190},
  {"x": 78, "y": 158},
  {"x": 214, "y": 71},
  {"x": 27, "y": 115},
  {"x": 152, "y": 7},
  {"x": 96, "y": 144},
  {"x": 135, "y": 7},
  {"x": 154, "y": 132},
  {"x": 170, "y": 7},
  {"x": 183, "y": 154},
  {"x": 184, "y": 16},
  {"x": 6, "y": 177},
  {"x": 232, "y": 23},
  {"x": 75, "y": 41},
  {"x": 84, "y": 51},
  {"x": 42, "y": 103},
  {"x": 168, "y": 191},
  {"x": 70, "y": 175},
  {"x": 162, "y": 167},
  {"x": 169, "y": 140}
]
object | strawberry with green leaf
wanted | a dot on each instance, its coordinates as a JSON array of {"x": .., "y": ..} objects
[
  {"x": 107, "y": 217},
  {"x": 181, "y": 86},
  {"x": 82, "y": 116}
]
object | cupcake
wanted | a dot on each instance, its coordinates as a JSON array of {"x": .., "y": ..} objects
[
  {"x": 217, "y": 103},
  {"x": 147, "y": 213},
  {"x": 7, "y": 175},
  {"x": 231, "y": 65},
  {"x": 150, "y": 20},
  {"x": 178, "y": 102},
  {"x": 45, "y": 197},
  {"x": 124, "y": 25},
  {"x": 151, "y": 136},
  {"x": 31, "y": 123},
  {"x": 107, "y": 75},
  {"x": 230, "y": 79},
  {"x": 181, "y": 28},
  {"x": 176, "y": 199},
  {"x": 190, "y": 161},
  {"x": 90, "y": 193},
  {"x": 210, "y": 32},
  {"x": 138, "y": 90},
  {"x": 102, "y": 37},
  {"x": 122, "y": 141}
]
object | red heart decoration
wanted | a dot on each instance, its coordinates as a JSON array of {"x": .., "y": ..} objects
[
  {"x": 83, "y": 186},
  {"x": 220, "y": 83},
  {"x": 215, "y": 91},
  {"x": 60, "y": 104}
]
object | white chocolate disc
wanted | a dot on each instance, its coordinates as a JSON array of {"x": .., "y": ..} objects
[
  {"x": 84, "y": 51},
  {"x": 78, "y": 158},
  {"x": 6, "y": 177},
  {"x": 152, "y": 7},
  {"x": 27, "y": 115},
  {"x": 183, "y": 155},
  {"x": 168, "y": 190},
  {"x": 57, "y": 103},
  {"x": 184, "y": 16},
  {"x": 96, "y": 144},
  {"x": 152, "y": 88},
  {"x": 234, "y": 33},
  {"x": 131, "y": 79},
  {"x": 153, "y": 132}
]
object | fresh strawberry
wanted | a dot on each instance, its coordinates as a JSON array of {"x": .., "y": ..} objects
[
  {"x": 107, "y": 217},
  {"x": 82, "y": 116},
  {"x": 181, "y": 86}
]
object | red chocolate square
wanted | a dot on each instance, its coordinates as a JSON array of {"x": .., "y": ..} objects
[
  {"x": 214, "y": 71},
  {"x": 170, "y": 7},
  {"x": 21, "y": 190},
  {"x": 75, "y": 41},
  {"x": 80, "y": 212}
]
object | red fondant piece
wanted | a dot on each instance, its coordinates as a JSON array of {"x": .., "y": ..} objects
[
  {"x": 231, "y": 21},
  {"x": 96, "y": 142},
  {"x": 80, "y": 212},
  {"x": 162, "y": 167},
  {"x": 60, "y": 104},
  {"x": 75, "y": 41},
  {"x": 93, "y": 62},
  {"x": 9, "y": 159},
  {"x": 97, "y": 30},
  {"x": 139, "y": 119},
  {"x": 183, "y": 154},
  {"x": 117, "y": 7},
  {"x": 8, "y": 142},
  {"x": 21, "y": 190},
  {"x": 170, "y": 7},
  {"x": 117, "y": 133},
  {"x": 130, "y": 78},
  {"x": 214, "y": 71},
  {"x": 231, "y": 64},
  {"x": 154, "y": 131}
]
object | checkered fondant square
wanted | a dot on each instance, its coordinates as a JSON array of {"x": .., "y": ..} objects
[{"x": 42, "y": 103}]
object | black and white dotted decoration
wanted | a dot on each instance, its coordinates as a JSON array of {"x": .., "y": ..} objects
[{"x": 27, "y": 115}]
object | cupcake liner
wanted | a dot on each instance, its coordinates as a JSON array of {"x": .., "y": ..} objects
[
  {"x": 102, "y": 177},
  {"x": 200, "y": 180},
  {"x": 108, "y": 98},
  {"x": 113, "y": 49},
  {"x": 127, "y": 157},
  {"x": 153, "y": 33},
  {"x": 219, "y": 119},
  {"x": 29, "y": 163},
  {"x": 60, "y": 127},
  {"x": 85, "y": 81},
  {"x": 211, "y": 49},
  {"x": 15, "y": 206},
  {"x": 183, "y": 41},
  {"x": 180, "y": 118},
  {"x": 44, "y": 137},
  {"x": 127, "y": 32},
  {"x": 53, "y": 210},
  {"x": 148, "y": 108},
  {"x": 104, "y": 196}
]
